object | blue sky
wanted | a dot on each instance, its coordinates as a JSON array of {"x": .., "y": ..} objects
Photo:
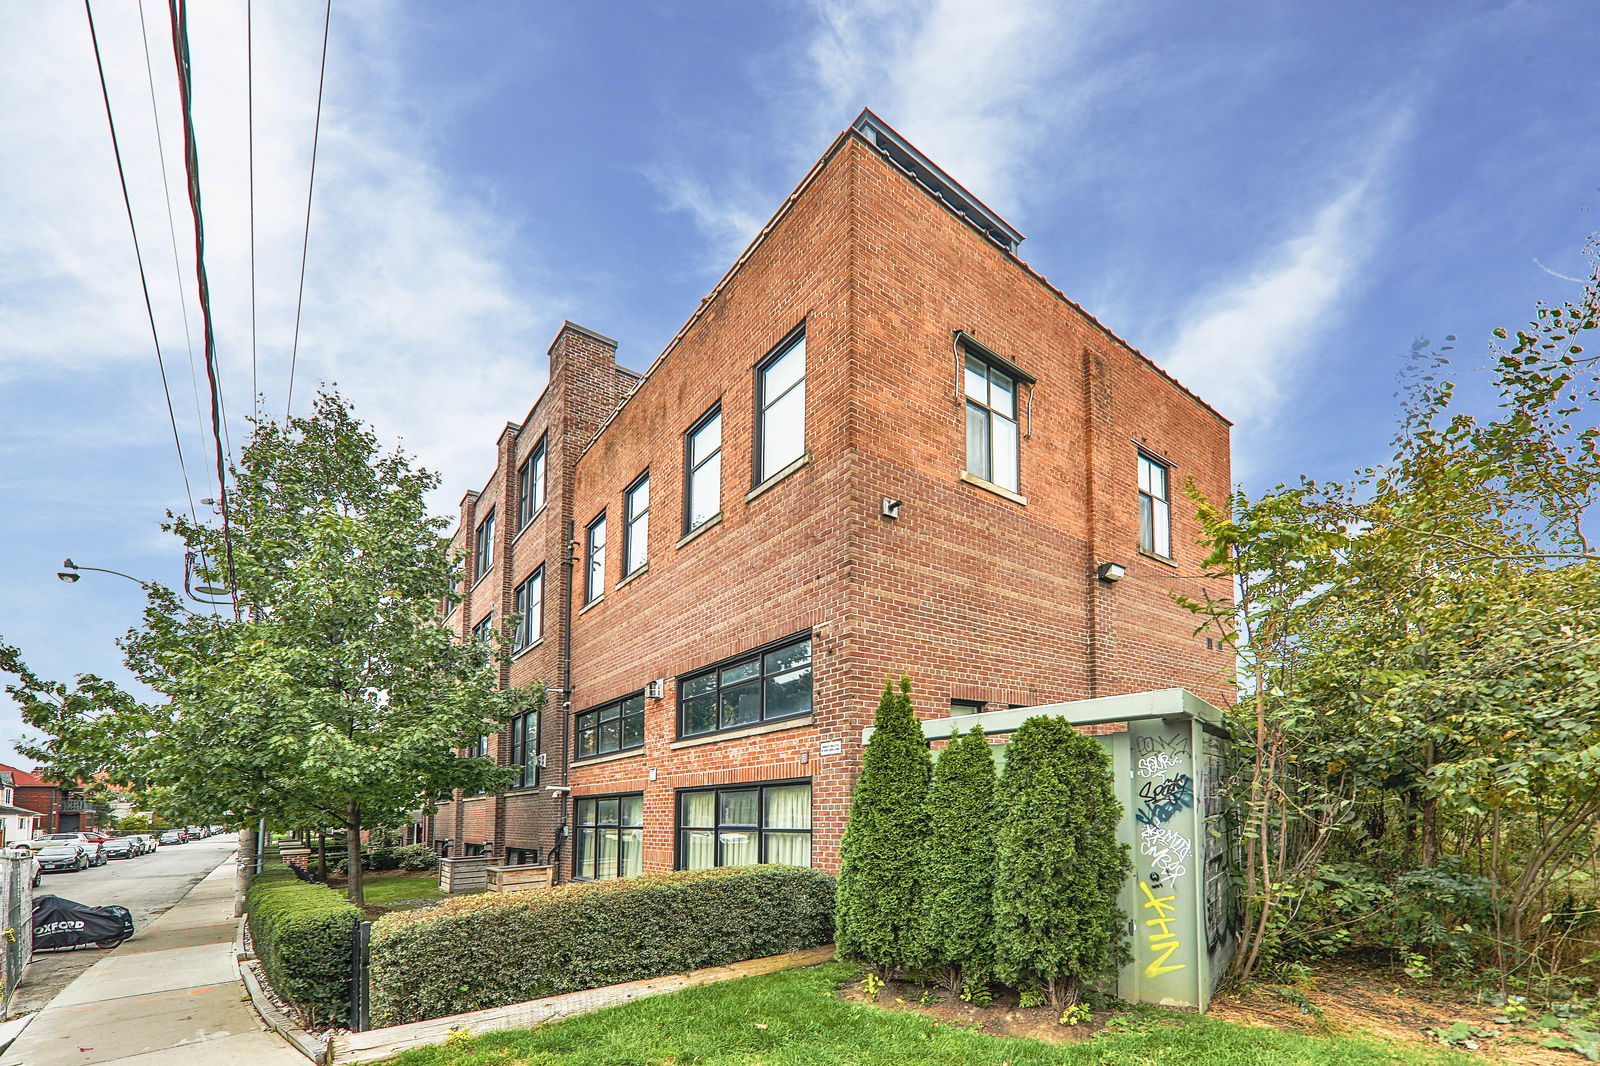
[{"x": 1271, "y": 200}]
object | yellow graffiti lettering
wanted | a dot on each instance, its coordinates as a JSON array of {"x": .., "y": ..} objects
[{"x": 1165, "y": 942}]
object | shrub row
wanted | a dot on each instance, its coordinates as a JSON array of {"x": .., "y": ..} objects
[
  {"x": 302, "y": 934},
  {"x": 413, "y": 857},
  {"x": 488, "y": 951}
]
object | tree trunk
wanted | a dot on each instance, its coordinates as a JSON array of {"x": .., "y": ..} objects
[
  {"x": 322, "y": 856},
  {"x": 247, "y": 864},
  {"x": 352, "y": 850}
]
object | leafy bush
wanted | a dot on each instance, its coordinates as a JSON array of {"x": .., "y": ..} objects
[
  {"x": 413, "y": 857},
  {"x": 417, "y": 857},
  {"x": 487, "y": 951},
  {"x": 302, "y": 934}
]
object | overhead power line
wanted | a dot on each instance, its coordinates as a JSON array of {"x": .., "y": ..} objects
[
  {"x": 305, "y": 240},
  {"x": 250, "y": 124},
  {"x": 144, "y": 283}
]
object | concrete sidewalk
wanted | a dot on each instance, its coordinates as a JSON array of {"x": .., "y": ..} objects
[{"x": 168, "y": 997}]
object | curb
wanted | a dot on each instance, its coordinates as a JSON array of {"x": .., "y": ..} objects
[{"x": 273, "y": 1018}]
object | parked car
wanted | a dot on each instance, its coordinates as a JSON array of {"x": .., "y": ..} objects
[
  {"x": 121, "y": 848},
  {"x": 173, "y": 836},
  {"x": 59, "y": 858},
  {"x": 151, "y": 841}
]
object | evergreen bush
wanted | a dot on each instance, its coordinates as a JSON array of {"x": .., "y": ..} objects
[
  {"x": 1059, "y": 867},
  {"x": 958, "y": 857},
  {"x": 302, "y": 934},
  {"x": 880, "y": 856}
]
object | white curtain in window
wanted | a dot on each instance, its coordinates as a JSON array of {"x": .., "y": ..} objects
[
  {"x": 739, "y": 847},
  {"x": 632, "y": 852},
  {"x": 608, "y": 854},
  {"x": 793, "y": 849},
  {"x": 699, "y": 849},
  {"x": 789, "y": 807}
]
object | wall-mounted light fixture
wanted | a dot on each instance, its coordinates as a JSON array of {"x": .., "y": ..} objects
[
  {"x": 1111, "y": 573},
  {"x": 890, "y": 508}
]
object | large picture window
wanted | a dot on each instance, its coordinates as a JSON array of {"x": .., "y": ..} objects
[
  {"x": 483, "y": 547},
  {"x": 763, "y": 686},
  {"x": 745, "y": 825},
  {"x": 525, "y": 749},
  {"x": 1155, "y": 508},
  {"x": 702, "y": 477},
  {"x": 529, "y": 605},
  {"x": 530, "y": 485},
  {"x": 636, "y": 530},
  {"x": 594, "y": 579},
  {"x": 781, "y": 403},
  {"x": 610, "y": 837},
  {"x": 614, "y": 727}
]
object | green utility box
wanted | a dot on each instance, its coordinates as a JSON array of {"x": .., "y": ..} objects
[{"x": 1169, "y": 759}]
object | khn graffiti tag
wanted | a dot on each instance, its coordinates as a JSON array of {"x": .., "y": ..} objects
[{"x": 1163, "y": 942}]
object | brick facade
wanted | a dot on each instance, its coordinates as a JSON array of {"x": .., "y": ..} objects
[{"x": 978, "y": 594}]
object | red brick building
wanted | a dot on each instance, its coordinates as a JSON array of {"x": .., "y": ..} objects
[{"x": 881, "y": 445}]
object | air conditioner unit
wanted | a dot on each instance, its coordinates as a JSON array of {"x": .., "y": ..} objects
[
  {"x": 544, "y": 760},
  {"x": 655, "y": 690}
]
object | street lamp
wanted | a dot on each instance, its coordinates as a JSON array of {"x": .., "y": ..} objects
[{"x": 71, "y": 574}]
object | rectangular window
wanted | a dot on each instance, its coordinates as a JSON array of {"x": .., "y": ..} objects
[
  {"x": 525, "y": 749},
  {"x": 594, "y": 581},
  {"x": 530, "y": 485},
  {"x": 484, "y": 630},
  {"x": 483, "y": 547},
  {"x": 744, "y": 825},
  {"x": 959, "y": 707},
  {"x": 1155, "y": 509},
  {"x": 610, "y": 837},
  {"x": 529, "y": 605},
  {"x": 479, "y": 749},
  {"x": 992, "y": 440},
  {"x": 636, "y": 533},
  {"x": 761, "y": 687},
  {"x": 522, "y": 856},
  {"x": 781, "y": 407},
  {"x": 703, "y": 471},
  {"x": 614, "y": 727}
]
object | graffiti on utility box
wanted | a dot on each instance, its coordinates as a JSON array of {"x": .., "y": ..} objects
[{"x": 1164, "y": 798}]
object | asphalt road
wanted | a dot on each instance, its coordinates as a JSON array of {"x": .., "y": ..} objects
[{"x": 148, "y": 885}]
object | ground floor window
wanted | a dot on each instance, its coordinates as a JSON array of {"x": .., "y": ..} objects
[
  {"x": 610, "y": 837},
  {"x": 522, "y": 856},
  {"x": 476, "y": 850},
  {"x": 740, "y": 826}
]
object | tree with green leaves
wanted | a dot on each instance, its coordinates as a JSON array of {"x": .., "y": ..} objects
[
  {"x": 880, "y": 857},
  {"x": 956, "y": 905},
  {"x": 1059, "y": 868},
  {"x": 331, "y": 695}
]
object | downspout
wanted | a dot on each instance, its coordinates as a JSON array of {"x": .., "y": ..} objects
[{"x": 563, "y": 827}]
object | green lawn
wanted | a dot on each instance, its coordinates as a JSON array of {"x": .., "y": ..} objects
[
  {"x": 384, "y": 890},
  {"x": 796, "y": 1019}
]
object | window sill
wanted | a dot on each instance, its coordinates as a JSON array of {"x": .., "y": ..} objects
[
  {"x": 747, "y": 731},
  {"x": 1164, "y": 560},
  {"x": 529, "y": 523},
  {"x": 520, "y": 652},
  {"x": 711, "y": 523},
  {"x": 779, "y": 476},
  {"x": 636, "y": 575},
  {"x": 998, "y": 490},
  {"x": 597, "y": 601},
  {"x": 480, "y": 579},
  {"x": 596, "y": 760},
  {"x": 470, "y": 799}
]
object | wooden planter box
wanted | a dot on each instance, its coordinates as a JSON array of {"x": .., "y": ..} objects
[
  {"x": 516, "y": 878},
  {"x": 464, "y": 875}
]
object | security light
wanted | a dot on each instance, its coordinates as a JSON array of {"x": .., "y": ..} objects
[{"x": 1111, "y": 573}]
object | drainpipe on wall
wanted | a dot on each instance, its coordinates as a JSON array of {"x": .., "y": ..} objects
[{"x": 563, "y": 833}]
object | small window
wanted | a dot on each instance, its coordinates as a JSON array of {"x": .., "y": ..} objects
[
  {"x": 480, "y": 748},
  {"x": 483, "y": 548},
  {"x": 529, "y": 605},
  {"x": 525, "y": 749},
  {"x": 484, "y": 630},
  {"x": 745, "y": 825},
  {"x": 522, "y": 856},
  {"x": 610, "y": 837},
  {"x": 636, "y": 533},
  {"x": 992, "y": 440},
  {"x": 761, "y": 687},
  {"x": 960, "y": 707},
  {"x": 781, "y": 407},
  {"x": 1155, "y": 508},
  {"x": 703, "y": 471},
  {"x": 614, "y": 727},
  {"x": 530, "y": 485},
  {"x": 595, "y": 573}
]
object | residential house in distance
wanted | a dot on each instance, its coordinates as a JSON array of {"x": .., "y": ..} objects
[
  {"x": 59, "y": 808},
  {"x": 16, "y": 823},
  {"x": 882, "y": 445}
]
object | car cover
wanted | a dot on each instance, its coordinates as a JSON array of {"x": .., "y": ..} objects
[{"x": 61, "y": 923}]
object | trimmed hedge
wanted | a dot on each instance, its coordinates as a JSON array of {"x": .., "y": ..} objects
[
  {"x": 302, "y": 935},
  {"x": 492, "y": 950}
]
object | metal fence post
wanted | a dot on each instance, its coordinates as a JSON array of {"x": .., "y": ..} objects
[{"x": 360, "y": 978}]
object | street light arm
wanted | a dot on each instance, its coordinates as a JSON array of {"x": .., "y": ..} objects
[{"x": 70, "y": 574}]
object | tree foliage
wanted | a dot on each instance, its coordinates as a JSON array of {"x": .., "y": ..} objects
[
  {"x": 1059, "y": 867},
  {"x": 880, "y": 857},
  {"x": 956, "y": 906},
  {"x": 330, "y": 695}
]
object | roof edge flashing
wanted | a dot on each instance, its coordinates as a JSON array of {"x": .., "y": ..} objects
[{"x": 930, "y": 176}]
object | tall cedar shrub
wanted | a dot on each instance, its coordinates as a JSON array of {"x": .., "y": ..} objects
[
  {"x": 1059, "y": 866},
  {"x": 958, "y": 855},
  {"x": 879, "y": 859}
]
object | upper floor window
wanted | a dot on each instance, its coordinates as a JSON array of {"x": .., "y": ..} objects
[
  {"x": 614, "y": 727},
  {"x": 992, "y": 439},
  {"x": 740, "y": 826},
  {"x": 594, "y": 581},
  {"x": 781, "y": 406},
  {"x": 483, "y": 547},
  {"x": 484, "y": 630},
  {"x": 525, "y": 749},
  {"x": 760, "y": 687},
  {"x": 530, "y": 610},
  {"x": 480, "y": 748},
  {"x": 530, "y": 485},
  {"x": 636, "y": 532},
  {"x": 702, "y": 477},
  {"x": 1155, "y": 508}
]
